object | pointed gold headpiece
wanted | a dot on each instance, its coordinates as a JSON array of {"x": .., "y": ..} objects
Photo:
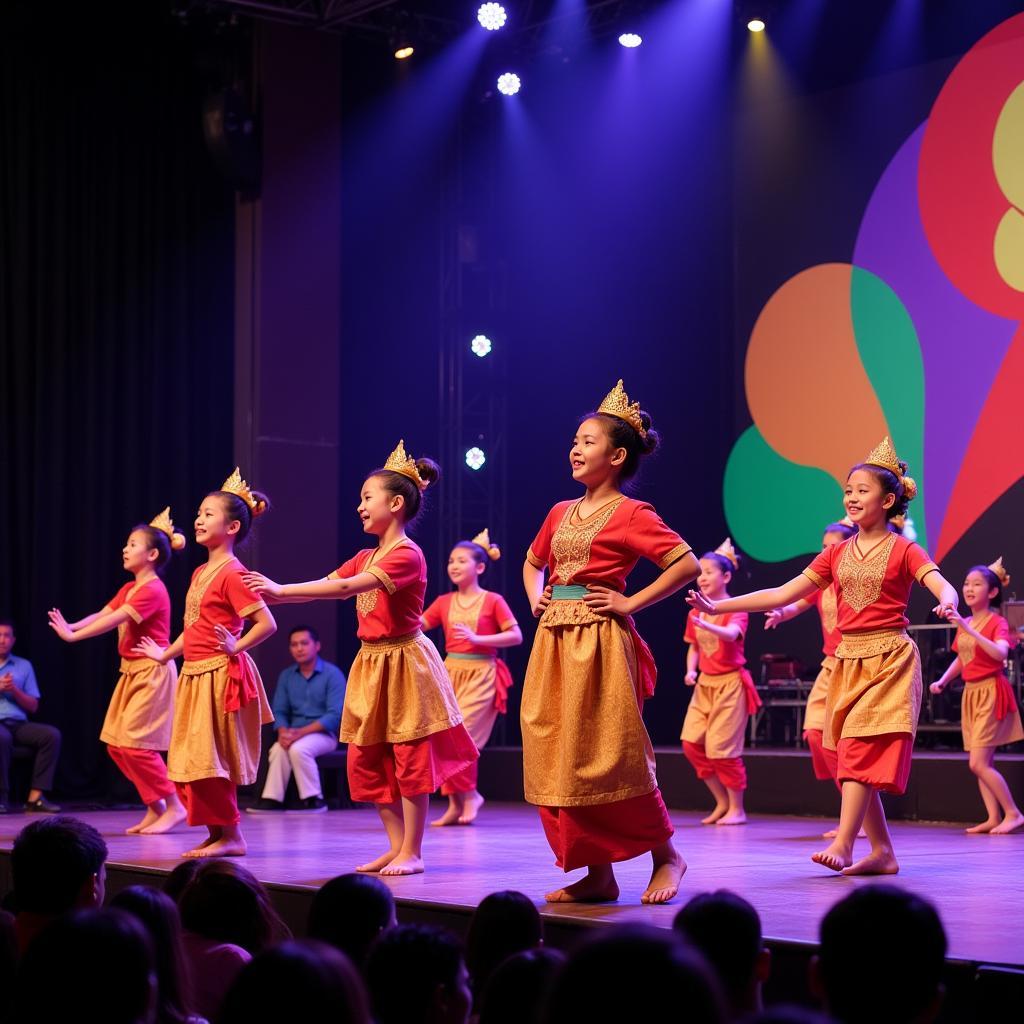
[
  {"x": 617, "y": 404},
  {"x": 236, "y": 485},
  {"x": 399, "y": 462},
  {"x": 483, "y": 538},
  {"x": 164, "y": 524},
  {"x": 1000, "y": 570},
  {"x": 884, "y": 455},
  {"x": 728, "y": 551}
]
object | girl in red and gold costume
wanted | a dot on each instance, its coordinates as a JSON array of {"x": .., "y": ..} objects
[
  {"x": 588, "y": 761},
  {"x": 989, "y": 716},
  {"x": 138, "y": 722},
  {"x": 823, "y": 760},
  {"x": 221, "y": 705},
  {"x": 874, "y": 696},
  {"x": 401, "y": 722},
  {"x": 476, "y": 623},
  {"x": 724, "y": 696}
]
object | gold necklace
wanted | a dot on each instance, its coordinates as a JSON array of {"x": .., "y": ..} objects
[{"x": 472, "y": 604}]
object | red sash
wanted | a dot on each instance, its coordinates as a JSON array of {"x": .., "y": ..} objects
[{"x": 242, "y": 686}]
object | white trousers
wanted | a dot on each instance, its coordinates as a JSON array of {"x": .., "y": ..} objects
[{"x": 300, "y": 758}]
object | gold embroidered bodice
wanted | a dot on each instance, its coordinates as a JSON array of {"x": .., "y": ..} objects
[
  {"x": 966, "y": 645},
  {"x": 861, "y": 579},
  {"x": 570, "y": 546},
  {"x": 829, "y": 612},
  {"x": 466, "y": 616},
  {"x": 707, "y": 641},
  {"x": 196, "y": 592}
]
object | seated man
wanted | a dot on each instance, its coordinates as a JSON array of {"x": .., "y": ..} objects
[
  {"x": 19, "y": 698},
  {"x": 307, "y": 712}
]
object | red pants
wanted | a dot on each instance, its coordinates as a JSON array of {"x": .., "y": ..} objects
[
  {"x": 882, "y": 762},
  {"x": 382, "y": 773},
  {"x": 606, "y": 833},
  {"x": 464, "y": 782},
  {"x": 145, "y": 770},
  {"x": 210, "y": 801},
  {"x": 823, "y": 761},
  {"x": 730, "y": 771}
]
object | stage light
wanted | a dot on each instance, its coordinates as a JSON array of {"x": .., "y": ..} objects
[
  {"x": 475, "y": 458},
  {"x": 403, "y": 52},
  {"x": 755, "y": 25},
  {"x": 509, "y": 84},
  {"x": 630, "y": 40},
  {"x": 481, "y": 346},
  {"x": 491, "y": 16}
]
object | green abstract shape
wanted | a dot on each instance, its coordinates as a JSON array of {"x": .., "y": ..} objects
[
  {"x": 775, "y": 508},
  {"x": 889, "y": 349}
]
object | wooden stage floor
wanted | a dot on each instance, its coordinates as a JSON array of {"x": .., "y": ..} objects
[{"x": 977, "y": 882}]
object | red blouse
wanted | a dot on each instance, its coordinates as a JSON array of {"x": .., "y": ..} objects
[
  {"x": 149, "y": 608},
  {"x": 394, "y": 609},
  {"x": 605, "y": 546},
  {"x": 871, "y": 592},
  {"x": 975, "y": 663},
  {"x": 717, "y": 656},
  {"x": 492, "y": 616},
  {"x": 221, "y": 599}
]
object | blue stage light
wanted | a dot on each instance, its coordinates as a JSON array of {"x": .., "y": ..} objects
[
  {"x": 475, "y": 458},
  {"x": 630, "y": 40},
  {"x": 491, "y": 16},
  {"x": 481, "y": 346},
  {"x": 509, "y": 84}
]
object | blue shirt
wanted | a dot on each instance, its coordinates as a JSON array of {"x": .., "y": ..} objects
[
  {"x": 299, "y": 701},
  {"x": 24, "y": 680}
]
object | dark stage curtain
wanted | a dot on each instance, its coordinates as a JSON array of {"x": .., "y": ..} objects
[{"x": 116, "y": 330}]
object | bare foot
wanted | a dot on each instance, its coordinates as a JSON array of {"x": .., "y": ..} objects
[
  {"x": 720, "y": 811},
  {"x": 381, "y": 862},
  {"x": 833, "y": 832},
  {"x": 587, "y": 890},
  {"x": 403, "y": 866},
  {"x": 1009, "y": 824},
  {"x": 665, "y": 879},
  {"x": 985, "y": 827},
  {"x": 474, "y": 801},
  {"x": 150, "y": 818},
  {"x": 835, "y": 857},
  {"x": 878, "y": 862},
  {"x": 450, "y": 817},
  {"x": 166, "y": 822},
  {"x": 219, "y": 848},
  {"x": 733, "y": 818}
]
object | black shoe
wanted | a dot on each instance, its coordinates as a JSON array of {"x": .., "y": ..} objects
[
  {"x": 265, "y": 806},
  {"x": 311, "y": 805},
  {"x": 41, "y": 806}
]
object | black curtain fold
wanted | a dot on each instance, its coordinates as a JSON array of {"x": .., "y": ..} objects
[{"x": 116, "y": 329}]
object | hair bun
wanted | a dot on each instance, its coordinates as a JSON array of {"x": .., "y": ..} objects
[
  {"x": 177, "y": 540},
  {"x": 909, "y": 487},
  {"x": 429, "y": 471},
  {"x": 262, "y": 503},
  {"x": 494, "y": 552}
]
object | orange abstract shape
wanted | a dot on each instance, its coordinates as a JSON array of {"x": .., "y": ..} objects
[
  {"x": 968, "y": 175},
  {"x": 806, "y": 386},
  {"x": 994, "y": 461}
]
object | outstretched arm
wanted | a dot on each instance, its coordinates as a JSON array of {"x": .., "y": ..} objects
[
  {"x": 947, "y": 677},
  {"x": 757, "y": 601},
  {"x": 94, "y": 625},
  {"x": 325, "y": 589},
  {"x": 511, "y": 637},
  {"x": 789, "y": 611}
]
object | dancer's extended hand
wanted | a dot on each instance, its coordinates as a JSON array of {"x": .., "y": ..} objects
[
  {"x": 260, "y": 584},
  {"x": 695, "y": 599},
  {"x": 60, "y": 626},
  {"x": 773, "y": 618}
]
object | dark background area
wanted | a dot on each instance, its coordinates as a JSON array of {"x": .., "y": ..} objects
[{"x": 622, "y": 225}]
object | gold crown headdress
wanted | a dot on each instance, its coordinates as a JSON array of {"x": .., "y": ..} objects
[
  {"x": 617, "y": 404},
  {"x": 483, "y": 539},
  {"x": 1000, "y": 571},
  {"x": 399, "y": 462},
  {"x": 884, "y": 455},
  {"x": 726, "y": 550},
  {"x": 236, "y": 485},
  {"x": 164, "y": 524}
]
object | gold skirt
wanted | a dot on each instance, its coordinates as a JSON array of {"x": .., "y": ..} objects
[
  {"x": 876, "y": 687},
  {"x": 814, "y": 713},
  {"x": 208, "y": 742},
  {"x": 141, "y": 710},
  {"x": 978, "y": 720},
  {"x": 474, "y": 684},
  {"x": 717, "y": 715},
  {"x": 584, "y": 741},
  {"x": 398, "y": 691}
]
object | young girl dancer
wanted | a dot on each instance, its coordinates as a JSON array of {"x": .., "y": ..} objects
[
  {"x": 401, "y": 720},
  {"x": 875, "y": 694},
  {"x": 138, "y": 722},
  {"x": 476, "y": 623},
  {"x": 587, "y": 758},
  {"x": 823, "y": 760},
  {"x": 221, "y": 705},
  {"x": 989, "y": 716},
  {"x": 716, "y": 720}
]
